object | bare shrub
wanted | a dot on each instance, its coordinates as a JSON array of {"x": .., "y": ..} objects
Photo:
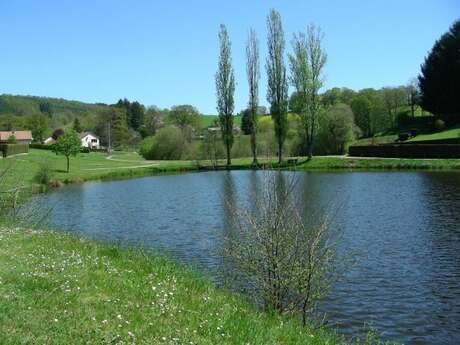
[
  {"x": 13, "y": 196},
  {"x": 283, "y": 261}
]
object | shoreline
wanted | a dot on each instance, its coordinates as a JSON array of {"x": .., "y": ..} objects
[
  {"x": 41, "y": 253},
  {"x": 95, "y": 167}
]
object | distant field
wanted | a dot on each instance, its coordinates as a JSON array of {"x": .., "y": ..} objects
[{"x": 208, "y": 120}]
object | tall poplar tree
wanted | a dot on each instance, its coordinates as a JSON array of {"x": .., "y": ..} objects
[
  {"x": 253, "y": 74},
  {"x": 277, "y": 94},
  {"x": 307, "y": 63},
  {"x": 225, "y": 88}
]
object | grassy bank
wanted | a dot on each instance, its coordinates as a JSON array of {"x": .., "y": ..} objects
[
  {"x": 451, "y": 133},
  {"x": 350, "y": 163},
  {"x": 97, "y": 166},
  {"x": 59, "y": 289}
]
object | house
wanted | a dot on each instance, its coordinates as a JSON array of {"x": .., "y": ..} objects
[
  {"x": 21, "y": 137},
  {"x": 49, "y": 141},
  {"x": 89, "y": 140}
]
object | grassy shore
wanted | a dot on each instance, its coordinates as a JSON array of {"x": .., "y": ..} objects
[
  {"x": 97, "y": 166},
  {"x": 350, "y": 163},
  {"x": 59, "y": 289}
]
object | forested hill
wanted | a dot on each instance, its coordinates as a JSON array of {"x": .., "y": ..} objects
[{"x": 28, "y": 105}]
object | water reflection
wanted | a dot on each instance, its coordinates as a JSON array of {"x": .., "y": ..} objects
[{"x": 403, "y": 225}]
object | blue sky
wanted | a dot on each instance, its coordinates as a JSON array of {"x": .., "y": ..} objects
[{"x": 165, "y": 52}]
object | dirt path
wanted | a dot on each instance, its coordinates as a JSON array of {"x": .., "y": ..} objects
[
  {"x": 127, "y": 167},
  {"x": 110, "y": 158}
]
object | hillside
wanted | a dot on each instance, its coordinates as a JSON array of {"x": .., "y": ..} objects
[
  {"x": 18, "y": 112},
  {"x": 451, "y": 133},
  {"x": 63, "y": 111},
  {"x": 26, "y": 105}
]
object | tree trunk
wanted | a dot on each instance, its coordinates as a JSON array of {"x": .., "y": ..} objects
[
  {"x": 254, "y": 147},
  {"x": 229, "y": 160},
  {"x": 68, "y": 163},
  {"x": 280, "y": 151},
  {"x": 310, "y": 150},
  {"x": 304, "y": 313}
]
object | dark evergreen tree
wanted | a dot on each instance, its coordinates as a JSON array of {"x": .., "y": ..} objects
[
  {"x": 440, "y": 77},
  {"x": 246, "y": 122},
  {"x": 135, "y": 115},
  {"x": 77, "y": 125},
  {"x": 45, "y": 108}
]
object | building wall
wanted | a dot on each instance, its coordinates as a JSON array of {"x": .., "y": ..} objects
[{"x": 87, "y": 141}]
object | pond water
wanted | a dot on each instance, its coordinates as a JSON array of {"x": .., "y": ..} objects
[{"x": 403, "y": 227}]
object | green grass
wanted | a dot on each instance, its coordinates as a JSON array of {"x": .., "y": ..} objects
[
  {"x": 88, "y": 166},
  {"x": 447, "y": 134},
  {"x": 60, "y": 289},
  {"x": 208, "y": 120},
  {"x": 350, "y": 163},
  {"x": 96, "y": 166}
]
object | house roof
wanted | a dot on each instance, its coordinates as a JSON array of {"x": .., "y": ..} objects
[
  {"x": 19, "y": 135},
  {"x": 84, "y": 134}
]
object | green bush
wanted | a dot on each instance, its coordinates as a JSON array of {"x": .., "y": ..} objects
[
  {"x": 167, "y": 144},
  {"x": 49, "y": 147},
  {"x": 12, "y": 140},
  {"x": 242, "y": 146},
  {"x": 211, "y": 147},
  {"x": 43, "y": 175},
  {"x": 439, "y": 125}
]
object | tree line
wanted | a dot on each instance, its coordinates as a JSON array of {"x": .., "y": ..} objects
[{"x": 305, "y": 122}]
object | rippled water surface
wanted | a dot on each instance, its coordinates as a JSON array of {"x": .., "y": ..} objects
[{"x": 403, "y": 226}]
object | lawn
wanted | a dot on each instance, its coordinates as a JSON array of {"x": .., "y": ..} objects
[
  {"x": 97, "y": 166},
  {"x": 86, "y": 166},
  {"x": 60, "y": 289},
  {"x": 447, "y": 134},
  {"x": 209, "y": 120}
]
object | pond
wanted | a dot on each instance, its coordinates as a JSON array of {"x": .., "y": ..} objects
[{"x": 403, "y": 227}]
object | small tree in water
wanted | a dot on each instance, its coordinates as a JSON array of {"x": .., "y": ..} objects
[
  {"x": 68, "y": 145},
  {"x": 272, "y": 254}
]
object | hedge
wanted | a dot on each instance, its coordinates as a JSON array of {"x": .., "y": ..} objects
[
  {"x": 42, "y": 146},
  {"x": 406, "y": 151},
  {"x": 13, "y": 149},
  {"x": 51, "y": 148}
]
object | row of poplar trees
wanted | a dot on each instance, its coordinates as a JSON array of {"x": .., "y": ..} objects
[{"x": 306, "y": 63}]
